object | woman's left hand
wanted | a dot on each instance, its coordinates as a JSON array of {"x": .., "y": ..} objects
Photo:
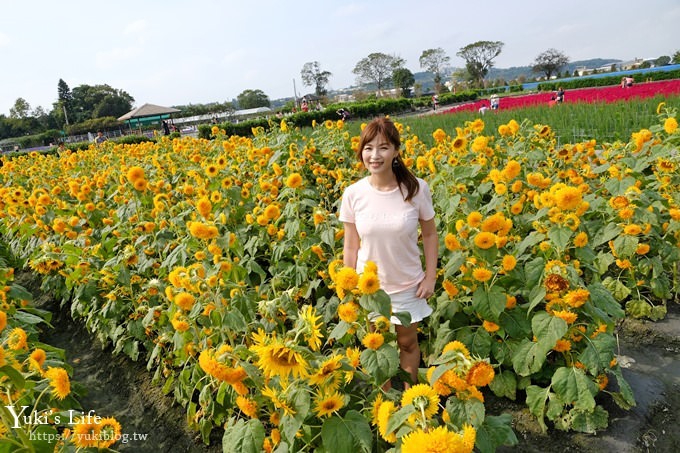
[{"x": 425, "y": 289}]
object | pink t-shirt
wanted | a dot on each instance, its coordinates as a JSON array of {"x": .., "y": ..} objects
[{"x": 388, "y": 230}]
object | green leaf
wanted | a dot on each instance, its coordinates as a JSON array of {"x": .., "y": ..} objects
[
  {"x": 589, "y": 421},
  {"x": 15, "y": 376},
  {"x": 602, "y": 262},
  {"x": 399, "y": 418},
  {"x": 573, "y": 386},
  {"x": 536, "y": 399},
  {"x": 610, "y": 231},
  {"x": 494, "y": 432},
  {"x": 345, "y": 435},
  {"x": 532, "y": 239},
  {"x": 616, "y": 288},
  {"x": 488, "y": 303},
  {"x": 504, "y": 385},
  {"x": 603, "y": 300},
  {"x": 598, "y": 352},
  {"x": 478, "y": 341},
  {"x": 404, "y": 318},
  {"x": 18, "y": 292},
  {"x": 27, "y": 318},
  {"x": 381, "y": 364},
  {"x": 533, "y": 270},
  {"x": 625, "y": 246},
  {"x": 548, "y": 329},
  {"x": 469, "y": 411},
  {"x": 242, "y": 436},
  {"x": 340, "y": 330},
  {"x": 536, "y": 296},
  {"x": 560, "y": 237},
  {"x": 515, "y": 323},
  {"x": 624, "y": 398},
  {"x": 529, "y": 358}
]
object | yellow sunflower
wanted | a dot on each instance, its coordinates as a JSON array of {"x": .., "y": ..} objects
[
  {"x": 276, "y": 358},
  {"x": 368, "y": 283},
  {"x": 327, "y": 404}
]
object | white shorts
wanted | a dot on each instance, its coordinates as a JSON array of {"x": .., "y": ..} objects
[{"x": 407, "y": 301}]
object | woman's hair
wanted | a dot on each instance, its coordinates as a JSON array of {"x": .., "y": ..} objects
[{"x": 385, "y": 127}]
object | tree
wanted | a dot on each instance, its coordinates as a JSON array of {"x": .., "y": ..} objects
[
  {"x": 65, "y": 100},
  {"x": 312, "y": 75},
  {"x": 676, "y": 57},
  {"x": 20, "y": 110},
  {"x": 377, "y": 68},
  {"x": 250, "y": 99},
  {"x": 90, "y": 101},
  {"x": 479, "y": 57},
  {"x": 663, "y": 60},
  {"x": 550, "y": 62},
  {"x": 404, "y": 80},
  {"x": 434, "y": 61}
]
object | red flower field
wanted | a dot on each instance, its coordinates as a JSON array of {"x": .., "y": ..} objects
[{"x": 595, "y": 94}]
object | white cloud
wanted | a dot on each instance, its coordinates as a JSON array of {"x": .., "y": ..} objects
[
  {"x": 110, "y": 58},
  {"x": 136, "y": 28},
  {"x": 4, "y": 40},
  {"x": 351, "y": 9},
  {"x": 235, "y": 56}
]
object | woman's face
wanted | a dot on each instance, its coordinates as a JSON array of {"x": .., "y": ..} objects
[{"x": 378, "y": 155}]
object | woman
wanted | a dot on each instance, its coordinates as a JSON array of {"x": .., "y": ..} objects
[{"x": 381, "y": 214}]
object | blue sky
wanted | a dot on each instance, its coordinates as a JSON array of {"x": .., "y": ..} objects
[{"x": 180, "y": 52}]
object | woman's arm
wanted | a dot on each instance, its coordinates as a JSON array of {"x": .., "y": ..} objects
[
  {"x": 350, "y": 249},
  {"x": 431, "y": 250}
]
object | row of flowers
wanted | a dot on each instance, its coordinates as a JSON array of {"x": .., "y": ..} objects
[
  {"x": 39, "y": 411},
  {"x": 215, "y": 261}
]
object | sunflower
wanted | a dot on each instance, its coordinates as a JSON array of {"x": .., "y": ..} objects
[
  {"x": 670, "y": 125},
  {"x": 568, "y": 198},
  {"x": 217, "y": 369},
  {"x": 134, "y": 174},
  {"x": 247, "y": 406},
  {"x": 509, "y": 263},
  {"x": 275, "y": 358},
  {"x": 632, "y": 229},
  {"x": 272, "y": 212},
  {"x": 581, "y": 240},
  {"x": 86, "y": 433},
  {"x": 109, "y": 432},
  {"x": 451, "y": 242},
  {"x": 385, "y": 411},
  {"x": 203, "y": 231},
  {"x": 490, "y": 327},
  {"x": 450, "y": 288},
  {"x": 347, "y": 278},
  {"x": 424, "y": 398},
  {"x": 294, "y": 180},
  {"x": 373, "y": 340},
  {"x": 325, "y": 375},
  {"x": 368, "y": 283},
  {"x": 457, "y": 346},
  {"x": 59, "y": 381},
  {"x": 312, "y": 327},
  {"x": 437, "y": 440},
  {"x": 185, "y": 301},
  {"x": 17, "y": 339},
  {"x": 577, "y": 298},
  {"x": 348, "y": 312},
  {"x": 38, "y": 357},
  {"x": 642, "y": 249},
  {"x": 556, "y": 283},
  {"x": 480, "y": 374},
  {"x": 459, "y": 144},
  {"x": 327, "y": 404},
  {"x": 568, "y": 316},
  {"x": 562, "y": 346},
  {"x": 482, "y": 274},
  {"x": 204, "y": 206},
  {"x": 485, "y": 240},
  {"x": 3, "y": 320}
]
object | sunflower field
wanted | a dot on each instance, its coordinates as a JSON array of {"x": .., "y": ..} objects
[{"x": 218, "y": 263}]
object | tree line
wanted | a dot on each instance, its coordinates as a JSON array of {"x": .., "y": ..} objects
[{"x": 91, "y": 107}]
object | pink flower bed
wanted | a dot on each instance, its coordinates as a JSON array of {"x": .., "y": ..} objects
[{"x": 596, "y": 94}]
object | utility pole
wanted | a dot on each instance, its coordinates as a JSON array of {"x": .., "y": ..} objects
[
  {"x": 65, "y": 114},
  {"x": 295, "y": 93}
]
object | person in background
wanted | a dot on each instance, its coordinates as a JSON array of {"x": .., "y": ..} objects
[
  {"x": 435, "y": 102},
  {"x": 483, "y": 108},
  {"x": 495, "y": 102},
  {"x": 100, "y": 138},
  {"x": 166, "y": 127},
  {"x": 382, "y": 214},
  {"x": 559, "y": 96}
]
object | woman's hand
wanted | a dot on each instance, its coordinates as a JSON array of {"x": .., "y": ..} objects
[{"x": 425, "y": 288}]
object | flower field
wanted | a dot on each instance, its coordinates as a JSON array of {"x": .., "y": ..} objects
[
  {"x": 217, "y": 262},
  {"x": 590, "y": 95}
]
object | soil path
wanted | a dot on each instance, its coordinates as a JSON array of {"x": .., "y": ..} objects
[{"x": 114, "y": 385}]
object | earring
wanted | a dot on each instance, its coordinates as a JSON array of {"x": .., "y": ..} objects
[{"x": 395, "y": 162}]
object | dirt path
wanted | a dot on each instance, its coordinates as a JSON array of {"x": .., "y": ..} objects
[{"x": 114, "y": 385}]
